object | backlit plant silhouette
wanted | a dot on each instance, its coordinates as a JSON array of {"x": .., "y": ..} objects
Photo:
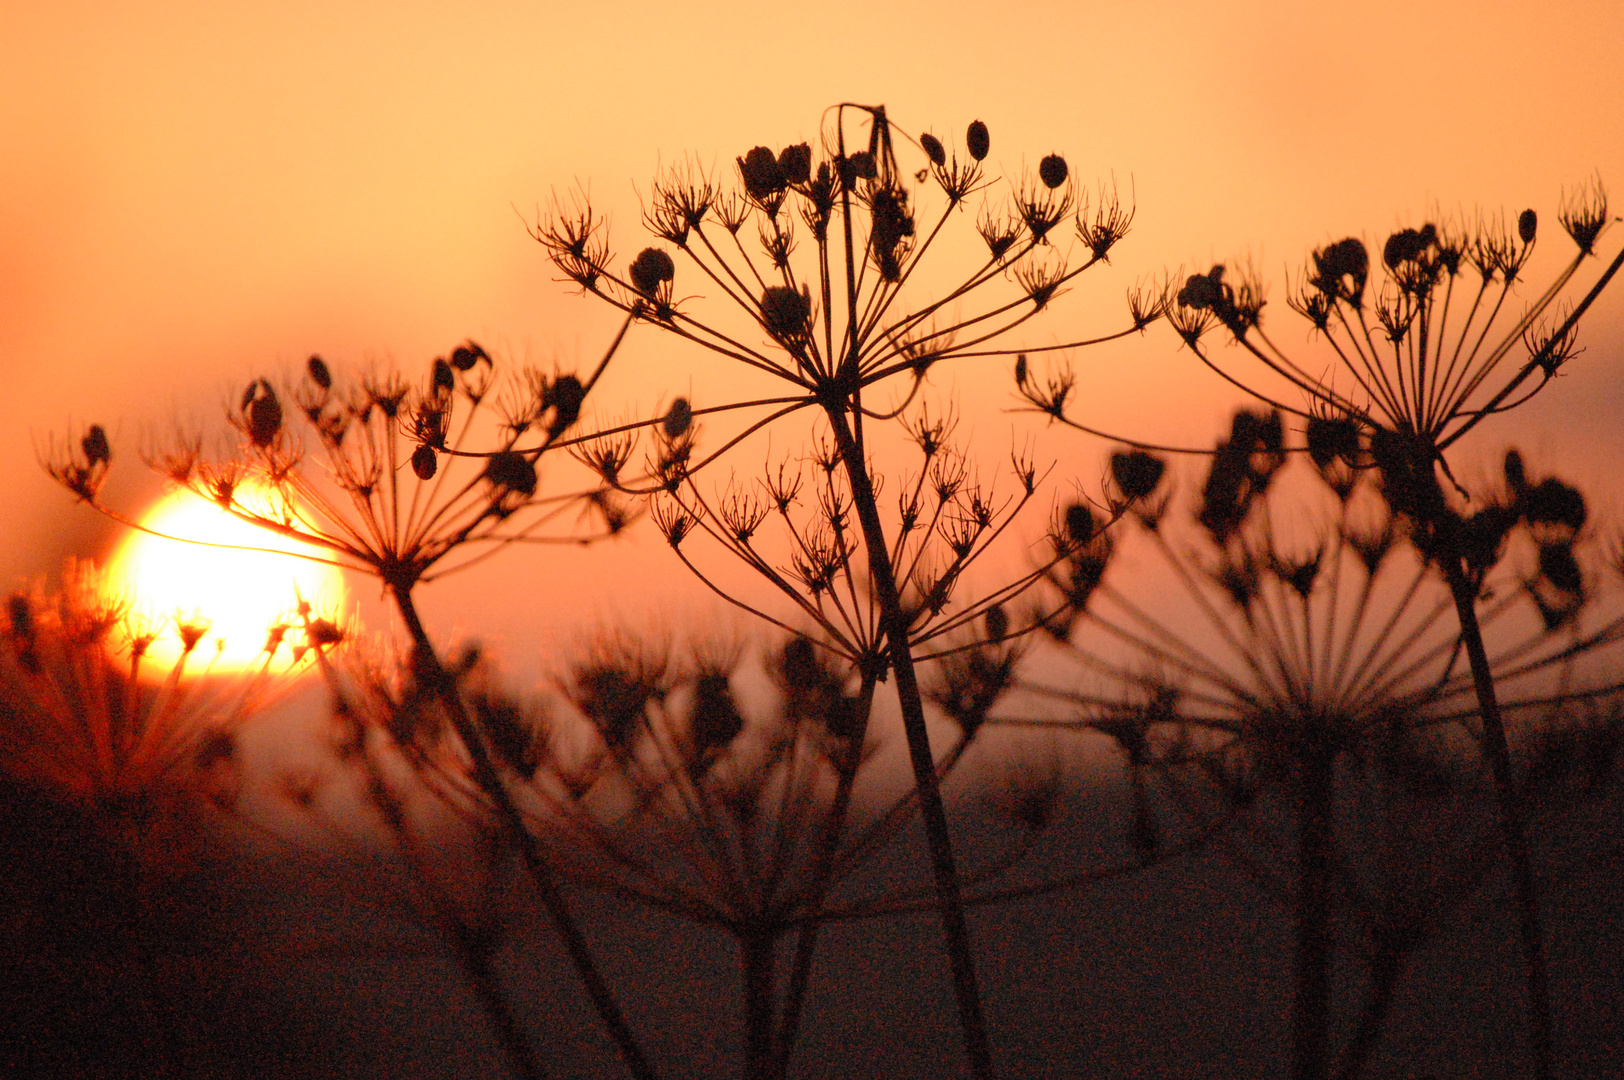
[
  {"x": 1311, "y": 686},
  {"x": 816, "y": 273}
]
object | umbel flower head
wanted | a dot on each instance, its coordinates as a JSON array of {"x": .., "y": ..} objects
[
  {"x": 1429, "y": 337},
  {"x": 404, "y": 473},
  {"x": 1313, "y": 617},
  {"x": 814, "y": 253}
]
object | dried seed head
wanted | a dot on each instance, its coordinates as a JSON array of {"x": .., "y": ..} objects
[
  {"x": 443, "y": 380},
  {"x": 977, "y": 140},
  {"x": 762, "y": 175},
  {"x": 1558, "y": 566},
  {"x": 1408, "y": 245},
  {"x": 424, "y": 462},
  {"x": 715, "y": 719},
  {"x": 1554, "y": 503},
  {"x": 678, "y": 418},
  {"x": 651, "y": 269},
  {"x": 1583, "y": 215},
  {"x": 1020, "y": 370},
  {"x": 564, "y": 396},
  {"x": 510, "y": 471},
  {"x": 96, "y": 447},
  {"x": 997, "y": 623},
  {"x": 1052, "y": 170},
  {"x": 1516, "y": 473},
  {"x": 263, "y": 413},
  {"x": 1080, "y": 525},
  {"x": 795, "y": 163},
  {"x": 1137, "y": 474},
  {"x": 786, "y": 313},
  {"x": 1527, "y": 224},
  {"x": 933, "y": 149},
  {"x": 316, "y": 370},
  {"x": 1342, "y": 269}
]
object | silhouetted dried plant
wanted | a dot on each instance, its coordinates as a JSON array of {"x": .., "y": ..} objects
[{"x": 816, "y": 257}]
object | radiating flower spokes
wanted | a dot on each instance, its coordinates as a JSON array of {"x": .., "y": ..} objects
[{"x": 1437, "y": 344}]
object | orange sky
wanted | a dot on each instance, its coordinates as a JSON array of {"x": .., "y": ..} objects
[{"x": 195, "y": 193}]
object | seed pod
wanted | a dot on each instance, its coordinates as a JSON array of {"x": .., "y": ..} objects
[
  {"x": 424, "y": 462},
  {"x": 651, "y": 269},
  {"x": 316, "y": 369},
  {"x": 978, "y": 140},
  {"x": 678, "y": 418},
  {"x": 933, "y": 149},
  {"x": 997, "y": 623},
  {"x": 1020, "y": 370},
  {"x": 1053, "y": 171},
  {"x": 95, "y": 445},
  {"x": 1527, "y": 225},
  {"x": 463, "y": 358}
]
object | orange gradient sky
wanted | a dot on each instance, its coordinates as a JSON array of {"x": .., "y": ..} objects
[{"x": 192, "y": 194}]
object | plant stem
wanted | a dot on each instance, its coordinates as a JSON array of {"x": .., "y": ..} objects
[
  {"x": 1511, "y": 822},
  {"x": 806, "y": 939},
  {"x": 473, "y": 954},
  {"x": 955, "y": 928},
  {"x": 512, "y": 822},
  {"x": 1311, "y": 1002},
  {"x": 1385, "y": 971},
  {"x": 757, "y": 947}
]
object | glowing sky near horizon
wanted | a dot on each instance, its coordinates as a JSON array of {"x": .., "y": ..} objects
[{"x": 195, "y": 194}]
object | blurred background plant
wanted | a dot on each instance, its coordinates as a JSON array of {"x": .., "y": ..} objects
[
  {"x": 1305, "y": 699},
  {"x": 116, "y": 772}
]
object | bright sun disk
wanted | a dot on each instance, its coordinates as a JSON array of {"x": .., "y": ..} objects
[{"x": 238, "y": 594}]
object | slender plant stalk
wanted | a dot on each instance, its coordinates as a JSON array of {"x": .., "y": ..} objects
[
  {"x": 1311, "y": 1006},
  {"x": 474, "y": 957},
  {"x": 806, "y": 939},
  {"x": 1511, "y": 820},
  {"x": 955, "y": 927},
  {"x": 1388, "y": 965},
  {"x": 758, "y": 947},
  {"x": 512, "y": 822}
]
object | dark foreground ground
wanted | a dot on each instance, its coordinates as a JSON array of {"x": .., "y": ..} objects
[{"x": 264, "y": 968}]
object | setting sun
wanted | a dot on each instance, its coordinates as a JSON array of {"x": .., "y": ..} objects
[{"x": 207, "y": 574}]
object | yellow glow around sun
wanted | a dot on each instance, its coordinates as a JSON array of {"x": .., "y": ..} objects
[{"x": 238, "y": 594}]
